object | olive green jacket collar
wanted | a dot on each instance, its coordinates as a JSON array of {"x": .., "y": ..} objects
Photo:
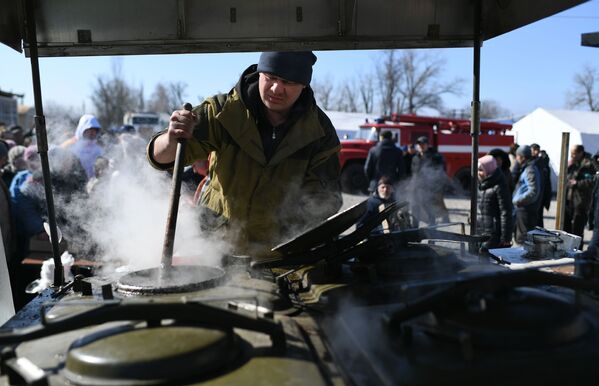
[{"x": 241, "y": 126}]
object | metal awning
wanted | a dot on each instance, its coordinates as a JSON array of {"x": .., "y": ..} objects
[
  {"x": 115, "y": 27},
  {"x": 590, "y": 39}
]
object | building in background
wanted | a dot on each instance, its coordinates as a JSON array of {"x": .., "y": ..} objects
[
  {"x": 26, "y": 114},
  {"x": 8, "y": 108}
]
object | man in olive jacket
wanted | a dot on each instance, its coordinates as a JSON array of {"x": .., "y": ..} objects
[{"x": 274, "y": 166}]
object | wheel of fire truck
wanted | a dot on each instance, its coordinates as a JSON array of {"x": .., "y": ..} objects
[
  {"x": 462, "y": 178},
  {"x": 353, "y": 179}
]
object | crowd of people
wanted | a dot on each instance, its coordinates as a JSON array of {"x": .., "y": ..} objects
[
  {"x": 274, "y": 170},
  {"x": 514, "y": 188},
  {"x": 416, "y": 172},
  {"x": 78, "y": 166}
]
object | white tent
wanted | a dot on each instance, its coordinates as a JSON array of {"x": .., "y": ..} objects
[{"x": 545, "y": 127}]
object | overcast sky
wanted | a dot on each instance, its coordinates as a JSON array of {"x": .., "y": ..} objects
[{"x": 531, "y": 67}]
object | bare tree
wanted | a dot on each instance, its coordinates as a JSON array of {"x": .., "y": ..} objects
[
  {"x": 365, "y": 84},
  {"x": 323, "y": 92},
  {"x": 586, "y": 89},
  {"x": 347, "y": 100},
  {"x": 490, "y": 109},
  {"x": 113, "y": 97},
  {"x": 389, "y": 76},
  {"x": 421, "y": 85},
  {"x": 141, "y": 102},
  {"x": 168, "y": 97},
  {"x": 159, "y": 100}
]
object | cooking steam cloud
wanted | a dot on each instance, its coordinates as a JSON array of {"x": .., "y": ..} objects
[{"x": 122, "y": 222}]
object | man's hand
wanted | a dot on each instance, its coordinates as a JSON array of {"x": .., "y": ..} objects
[
  {"x": 572, "y": 182},
  {"x": 180, "y": 126}
]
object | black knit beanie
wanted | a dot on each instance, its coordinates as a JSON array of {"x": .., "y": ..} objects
[{"x": 293, "y": 66}]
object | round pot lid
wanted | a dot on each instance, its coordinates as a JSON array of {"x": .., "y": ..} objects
[
  {"x": 150, "y": 356},
  {"x": 179, "y": 278}
]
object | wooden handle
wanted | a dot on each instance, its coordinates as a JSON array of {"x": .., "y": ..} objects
[{"x": 171, "y": 220}]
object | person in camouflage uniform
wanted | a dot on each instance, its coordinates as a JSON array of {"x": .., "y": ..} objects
[{"x": 579, "y": 188}]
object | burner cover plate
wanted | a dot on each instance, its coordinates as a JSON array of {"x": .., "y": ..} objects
[
  {"x": 150, "y": 356},
  {"x": 179, "y": 278},
  {"x": 524, "y": 319}
]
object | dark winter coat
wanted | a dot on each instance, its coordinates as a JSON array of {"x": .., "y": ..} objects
[
  {"x": 593, "y": 247},
  {"x": 495, "y": 209},
  {"x": 384, "y": 159},
  {"x": 373, "y": 206},
  {"x": 542, "y": 163},
  {"x": 579, "y": 196},
  {"x": 430, "y": 158},
  {"x": 429, "y": 171}
]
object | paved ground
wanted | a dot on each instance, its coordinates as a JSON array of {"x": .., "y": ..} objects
[{"x": 459, "y": 209}]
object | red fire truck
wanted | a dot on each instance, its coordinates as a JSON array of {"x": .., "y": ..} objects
[{"x": 451, "y": 137}]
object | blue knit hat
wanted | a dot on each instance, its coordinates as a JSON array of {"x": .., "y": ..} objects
[{"x": 293, "y": 66}]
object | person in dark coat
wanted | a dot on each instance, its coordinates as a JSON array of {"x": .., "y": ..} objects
[
  {"x": 494, "y": 204},
  {"x": 408, "y": 155},
  {"x": 541, "y": 160},
  {"x": 504, "y": 164},
  {"x": 384, "y": 159},
  {"x": 382, "y": 197},
  {"x": 592, "y": 250},
  {"x": 526, "y": 197},
  {"x": 429, "y": 180},
  {"x": 581, "y": 173}
]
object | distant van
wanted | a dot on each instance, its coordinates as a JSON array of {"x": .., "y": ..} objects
[{"x": 145, "y": 124}]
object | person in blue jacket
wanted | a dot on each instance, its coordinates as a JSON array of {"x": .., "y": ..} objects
[{"x": 527, "y": 194}]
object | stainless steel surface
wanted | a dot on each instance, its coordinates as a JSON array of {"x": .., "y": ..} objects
[{"x": 111, "y": 27}]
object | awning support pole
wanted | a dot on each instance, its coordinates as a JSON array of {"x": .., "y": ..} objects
[
  {"x": 475, "y": 118},
  {"x": 561, "y": 183},
  {"x": 42, "y": 141}
]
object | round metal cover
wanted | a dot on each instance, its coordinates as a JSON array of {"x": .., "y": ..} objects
[
  {"x": 177, "y": 279},
  {"x": 522, "y": 319},
  {"x": 150, "y": 356},
  {"x": 418, "y": 261}
]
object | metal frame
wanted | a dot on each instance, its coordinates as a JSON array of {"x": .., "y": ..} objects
[{"x": 74, "y": 27}]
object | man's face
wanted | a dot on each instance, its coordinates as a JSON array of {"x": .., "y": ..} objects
[
  {"x": 91, "y": 133},
  {"x": 422, "y": 147},
  {"x": 520, "y": 159},
  {"x": 385, "y": 191},
  {"x": 535, "y": 152},
  {"x": 278, "y": 94},
  {"x": 575, "y": 155}
]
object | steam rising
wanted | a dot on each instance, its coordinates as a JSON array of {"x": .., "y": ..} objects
[
  {"x": 423, "y": 189},
  {"x": 123, "y": 219}
]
